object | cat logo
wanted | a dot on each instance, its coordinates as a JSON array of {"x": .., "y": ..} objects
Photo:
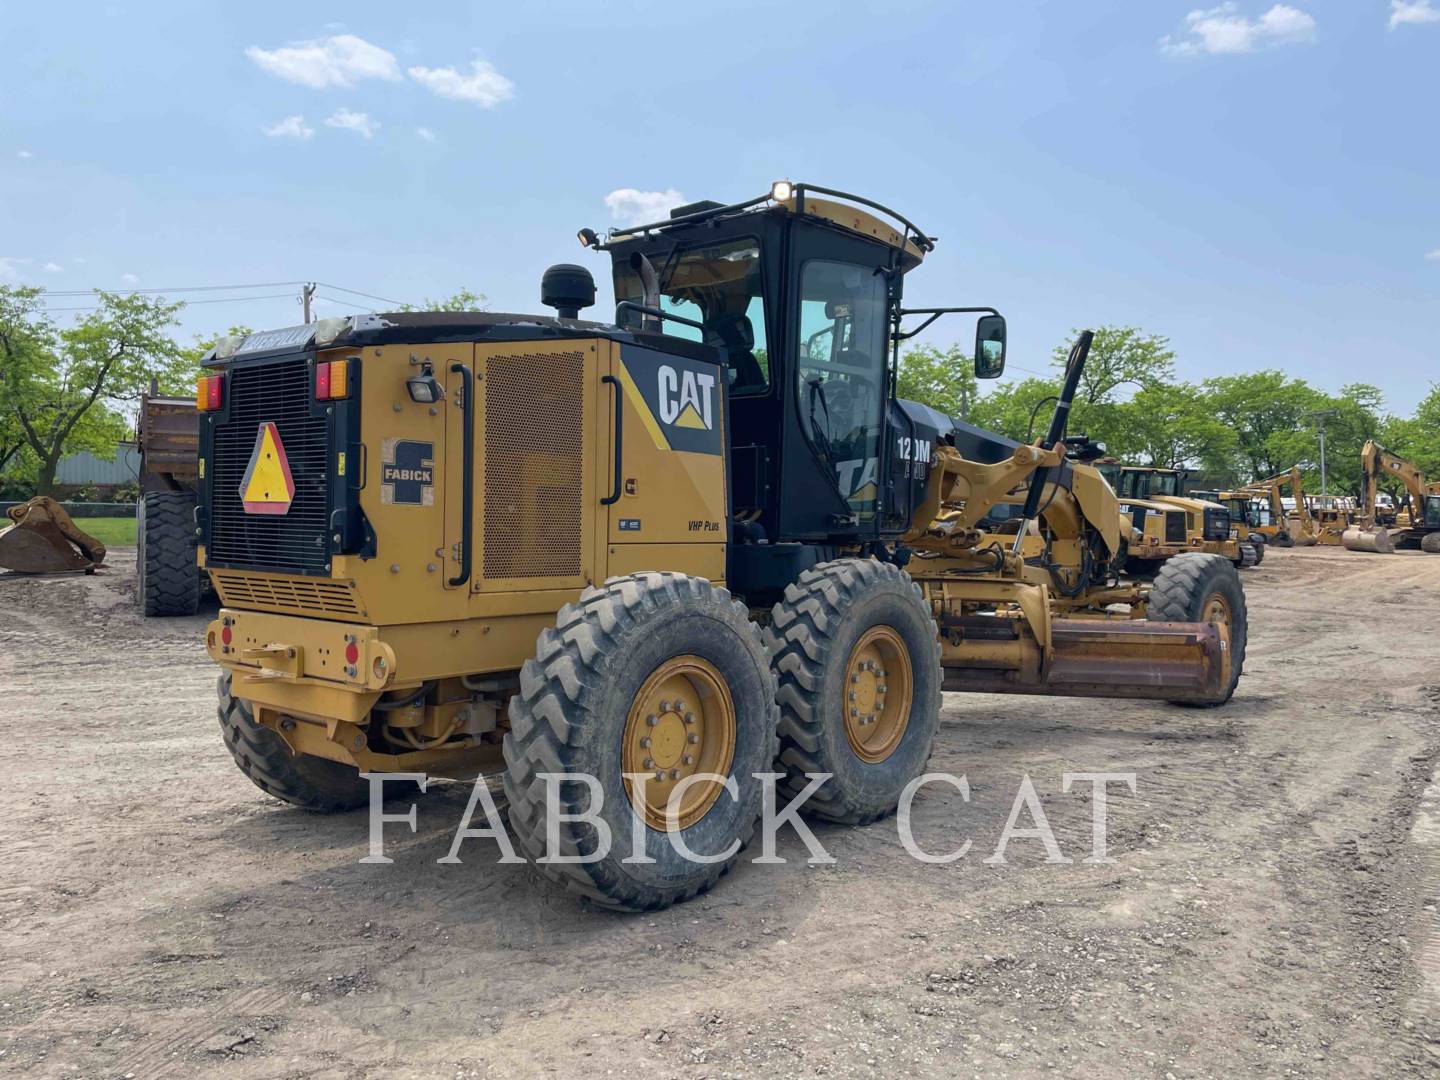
[{"x": 687, "y": 398}]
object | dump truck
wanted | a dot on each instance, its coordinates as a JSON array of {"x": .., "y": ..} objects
[
  {"x": 1413, "y": 523},
  {"x": 637, "y": 567},
  {"x": 169, "y": 580}
]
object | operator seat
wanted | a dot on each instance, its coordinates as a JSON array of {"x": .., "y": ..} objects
[{"x": 736, "y": 335}]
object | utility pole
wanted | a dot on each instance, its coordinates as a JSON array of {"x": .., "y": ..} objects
[
  {"x": 1320, "y": 417},
  {"x": 306, "y": 293}
]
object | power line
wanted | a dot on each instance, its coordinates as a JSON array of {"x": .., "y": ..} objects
[
  {"x": 221, "y": 300},
  {"x": 357, "y": 292},
  {"x": 347, "y": 303},
  {"x": 184, "y": 288}
]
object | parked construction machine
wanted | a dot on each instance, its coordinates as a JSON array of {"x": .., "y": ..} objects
[
  {"x": 1415, "y": 522},
  {"x": 43, "y": 539},
  {"x": 1286, "y": 528},
  {"x": 637, "y": 566},
  {"x": 1169, "y": 522},
  {"x": 168, "y": 579}
]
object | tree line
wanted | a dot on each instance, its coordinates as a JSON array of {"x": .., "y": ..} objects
[
  {"x": 1230, "y": 428},
  {"x": 66, "y": 389}
]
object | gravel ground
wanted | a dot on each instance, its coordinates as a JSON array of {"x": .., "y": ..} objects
[{"x": 1269, "y": 912}]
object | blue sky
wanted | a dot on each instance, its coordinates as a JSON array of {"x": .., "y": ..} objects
[{"x": 1258, "y": 181}]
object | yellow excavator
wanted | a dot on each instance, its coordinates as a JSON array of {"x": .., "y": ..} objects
[
  {"x": 1416, "y": 521},
  {"x": 42, "y": 539},
  {"x": 1285, "y": 528}
]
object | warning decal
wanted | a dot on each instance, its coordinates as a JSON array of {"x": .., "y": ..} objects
[{"x": 268, "y": 487}]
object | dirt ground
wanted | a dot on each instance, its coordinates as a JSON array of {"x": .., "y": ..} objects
[{"x": 1269, "y": 912}]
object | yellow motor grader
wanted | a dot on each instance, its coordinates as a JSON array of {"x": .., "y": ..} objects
[{"x": 636, "y": 566}]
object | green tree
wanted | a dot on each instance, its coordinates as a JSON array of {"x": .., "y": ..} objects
[
  {"x": 1120, "y": 356},
  {"x": 942, "y": 379},
  {"x": 1265, "y": 410},
  {"x": 461, "y": 300},
  {"x": 1017, "y": 410},
  {"x": 1172, "y": 426},
  {"x": 65, "y": 388}
]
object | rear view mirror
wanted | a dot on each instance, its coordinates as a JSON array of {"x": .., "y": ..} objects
[{"x": 989, "y": 346}]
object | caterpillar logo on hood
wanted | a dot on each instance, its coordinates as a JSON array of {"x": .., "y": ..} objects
[
  {"x": 678, "y": 398},
  {"x": 687, "y": 398}
]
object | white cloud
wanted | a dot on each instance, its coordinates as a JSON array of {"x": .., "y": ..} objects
[
  {"x": 341, "y": 60},
  {"x": 358, "y": 122},
  {"x": 425, "y": 133},
  {"x": 484, "y": 86},
  {"x": 24, "y": 155},
  {"x": 129, "y": 279},
  {"x": 1433, "y": 256},
  {"x": 1224, "y": 30},
  {"x": 631, "y": 206},
  {"x": 292, "y": 127},
  {"x": 53, "y": 268},
  {"x": 1412, "y": 12}
]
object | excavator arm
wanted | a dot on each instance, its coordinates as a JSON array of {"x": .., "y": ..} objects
[{"x": 1273, "y": 488}]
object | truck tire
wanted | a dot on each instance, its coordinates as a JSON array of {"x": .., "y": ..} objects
[
  {"x": 1247, "y": 559},
  {"x": 1258, "y": 546},
  {"x": 316, "y": 784},
  {"x": 1198, "y": 587},
  {"x": 654, "y": 671},
  {"x": 167, "y": 579},
  {"x": 856, "y": 658},
  {"x": 1430, "y": 543}
]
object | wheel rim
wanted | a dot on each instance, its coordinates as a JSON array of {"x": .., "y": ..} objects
[
  {"x": 1217, "y": 613},
  {"x": 879, "y": 690},
  {"x": 682, "y": 722}
]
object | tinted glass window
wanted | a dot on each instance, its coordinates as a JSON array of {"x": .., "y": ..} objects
[{"x": 841, "y": 371}]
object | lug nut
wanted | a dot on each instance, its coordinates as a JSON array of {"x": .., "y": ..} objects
[
  {"x": 687, "y": 760},
  {"x": 645, "y": 743},
  {"x": 651, "y": 720},
  {"x": 692, "y": 738},
  {"x": 649, "y": 763},
  {"x": 664, "y": 706},
  {"x": 852, "y": 695},
  {"x": 660, "y": 774},
  {"x": 689, "y": 718},
  {"x": 674, "y": 774}
]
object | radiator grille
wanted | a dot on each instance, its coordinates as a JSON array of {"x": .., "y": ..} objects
[
  {"x": 299, "y": 595},
  {"x": 534, "y": 460},
  {"x": 293, "y": 542},
  {"x": 1175, "y": 526}
]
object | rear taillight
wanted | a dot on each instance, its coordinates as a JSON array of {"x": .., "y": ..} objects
[
  {"x": 209, "y": 392},
  {"x": 332, "y": 380}
]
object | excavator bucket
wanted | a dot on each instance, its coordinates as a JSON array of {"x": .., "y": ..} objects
[
  {"x": 43, "y": 540},
  {"x": 1376, "y": 540}
]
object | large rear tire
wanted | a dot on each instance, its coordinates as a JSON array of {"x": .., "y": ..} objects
[
  {"x": 857, "y": 660},
  {"x": 1430, "y": 543},
  {"x": 168, "y": 581},
  {"x": 1199, "y": 587},
  {"x": 313, "y": 783},
  {"x": 1247, "y": 558},
  {"x": 656, "y": 673}
]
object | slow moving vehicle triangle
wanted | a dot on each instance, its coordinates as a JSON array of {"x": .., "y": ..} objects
[{"x": 268, "y": 487}]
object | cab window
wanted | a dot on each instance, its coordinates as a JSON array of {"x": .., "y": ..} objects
[
  {"x": 841, "y": 372},
  {"x": 719, "y": 286}
]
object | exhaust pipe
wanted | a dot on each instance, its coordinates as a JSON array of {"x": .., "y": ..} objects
[
  {"x": 650, "y": 283},
  {"x": 1376, "y": 540}
]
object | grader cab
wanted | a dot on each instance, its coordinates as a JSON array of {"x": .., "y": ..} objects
[{"x": 649, "y": 562}]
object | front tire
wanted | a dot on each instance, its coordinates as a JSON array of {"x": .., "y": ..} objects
[
  {"x": 312, "y": 783},
  {"x": 655, "y": 674},
  {"x": 856, "y": 656},
  {"x": 1199, "y": 587}
]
